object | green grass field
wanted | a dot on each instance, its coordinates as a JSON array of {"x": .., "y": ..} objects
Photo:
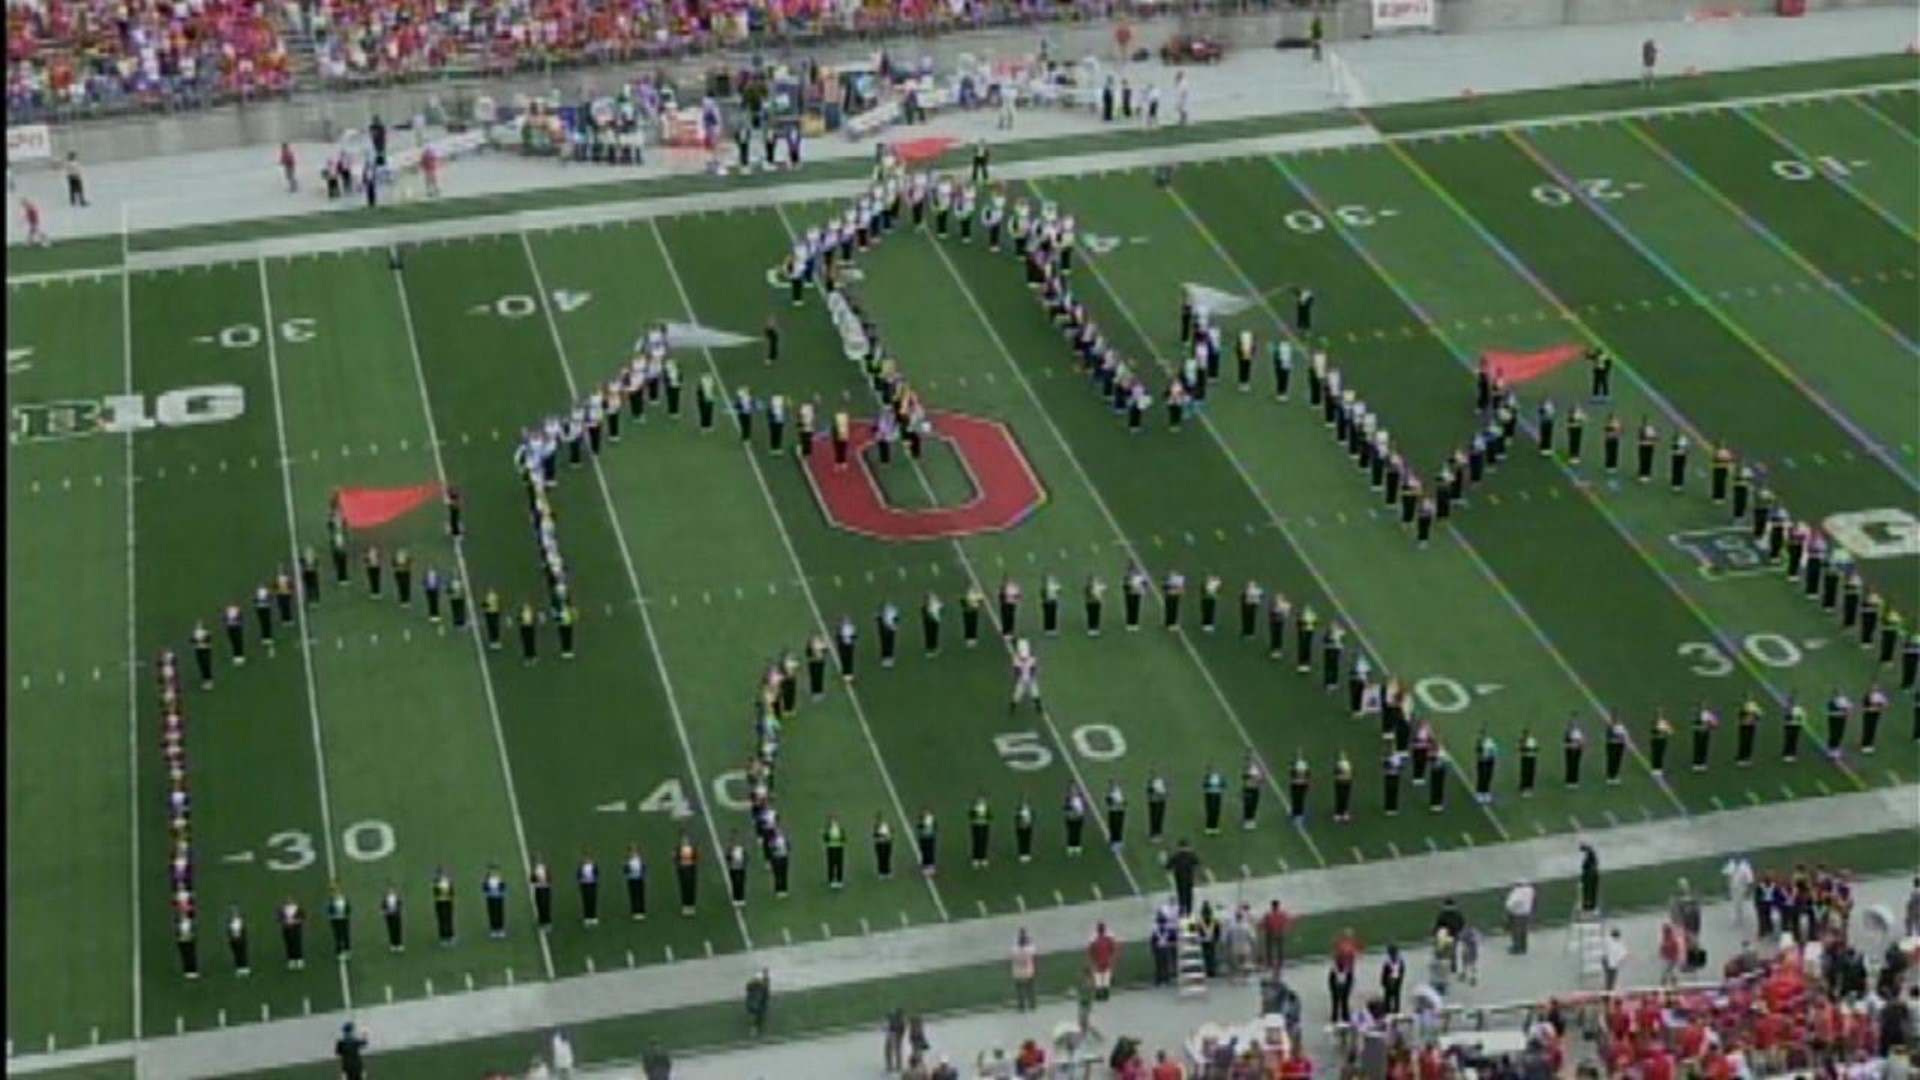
[{"x": 1754, "y": 271}]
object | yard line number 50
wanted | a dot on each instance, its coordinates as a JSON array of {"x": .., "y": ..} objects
[{"x": 1025, "y": 751}]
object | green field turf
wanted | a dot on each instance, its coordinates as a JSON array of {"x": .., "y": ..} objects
[{"x": 1768, "y": 305}]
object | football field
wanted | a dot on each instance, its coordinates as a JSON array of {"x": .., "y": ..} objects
[{"x": 1751, "y": 269}]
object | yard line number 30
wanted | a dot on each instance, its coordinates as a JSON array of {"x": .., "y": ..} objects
[{"x": 363, "y": 841}]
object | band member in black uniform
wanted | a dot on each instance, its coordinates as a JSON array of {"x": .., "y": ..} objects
[
  {"x": 686, "y": 872},
  {"x": 1602, "y": 373},
  {"x": 888, "y": 624},
  {"x": 930, "y": 622},
  {"x": 340, "y": 922},
  {"x": 293, "y": 933},
  {"x": 1872, "y": 707},
  {"x": 1616, "y": 747},
  {"x": 1303, "y": 641},
  {"x": 1529, "y": 762},
  {"x": 393, "y": 914},
  {"x": 1485, "y": 754},
  {"x": 1156, "y": 807},
  {"x": 779, "y": 860},
  {"x": 1610, "y": 443},
  {"x": 1096, "y": 592},
  {"x": 834, "y": 839},
  {"x": 736, "y": 860},
  {"x": 817, "y": 666},
  {"x": 490, "y": 616},
  {"x": 1392, "y": 765},
  {"x": 1649, "y": 442},
  {"x": 1074, "y": 811},
  {"x": 493, "y": 890},
  {"x": 183, "y": 938},
  {"x": 371, "y": 561},
  {"x": 309, "y": 576},
  {"x": 971, "y": 605},
  {"x": 1209, "y": 602},
  {"x": 443, "y": 905},
  {"x": 1704, "y": 721},
  {"x": 1573, "y": 745},
  {"x": 1437, "y": 781},
  {"x": 1299, "y": 779},
  {"x": 1250, "y": 598},
  {"x": 1793, "y": 720},
  {"x": 843, "y": 642},
  {"x": 1576, "y": 433},
  {"x": 1677, "y": 462},
  {"x": 1747, "y": 733},
  {"x": 1116, "y": 814},
  {"x": 882, "y": 847},
  {"x": 1213, "y": 791},
  {"x": 1023, "y": 830},
  {"x": 237, "y": 941},
  {"x": 540, "y": 880},
  {"x": 529, "y": 640},
  {"x": 925, "y": 835},
  {"x": 634, "y": 871},
  {"x": 1838, "y": 710},
  {"x": 1251, "y": 779},
  {"x": 1134, "y": 588},
  {"x": 1342, "y": 789},
  {"x": 979, "y": 826},
  {"x": 1658, "y": 741},
  {"x": 203, "y": 654},
  {"x": 236, "y": 633}
]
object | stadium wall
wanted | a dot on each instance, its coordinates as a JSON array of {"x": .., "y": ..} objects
[{"x": 322, "y": 116}]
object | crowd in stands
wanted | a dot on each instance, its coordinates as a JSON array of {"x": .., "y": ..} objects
[
  {"x": 64, "y": 55},
  {"x": 67, "y": 57}
]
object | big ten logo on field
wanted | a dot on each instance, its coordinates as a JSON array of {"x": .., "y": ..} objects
[{"x": 46, "y": 421}]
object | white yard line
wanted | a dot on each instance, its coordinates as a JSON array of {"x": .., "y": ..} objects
[
  {"x": 1065, "y": 749},
  {"x": 799, "y": 572},
  {"x": 473, "y": 625},
  {"x": 1126, "y": 544},
  {"x": 300, "y": 613},
  {"x": 133, "y": 647},
  {"x": 633, "y": 582}
]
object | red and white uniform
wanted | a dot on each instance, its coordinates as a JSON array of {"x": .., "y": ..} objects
[{"x": 1026, "y": 673}]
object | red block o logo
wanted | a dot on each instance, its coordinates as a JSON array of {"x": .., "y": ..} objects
[{"x": 1005, "y": 487}]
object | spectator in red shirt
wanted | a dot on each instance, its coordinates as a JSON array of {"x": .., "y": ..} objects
[
  {"x": 1102, "y": 952},
  {"x": 1165, "y": 1068},
  {"x": 1273, "y": 935}
]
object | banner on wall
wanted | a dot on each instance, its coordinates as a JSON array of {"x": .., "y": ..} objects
[
  {"x": 1405, "y": 14},
  {"x": 29, "y": 142}
]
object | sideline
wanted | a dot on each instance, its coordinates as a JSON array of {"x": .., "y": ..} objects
[{"x": 816, "y": 965}]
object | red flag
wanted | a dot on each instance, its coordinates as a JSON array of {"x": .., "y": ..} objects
[
  {"x": 914, "y": 151},
  {"x": 1514, "y": 368},
  {"x": 365, "y": 508}
]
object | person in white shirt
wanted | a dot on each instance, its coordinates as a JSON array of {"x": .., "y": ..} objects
[
  {"x": 1520, "y": 901},
  {"x": 1026, "y": 675},
  {"x": 1025, "y": 971},
  {"x": 1613, "y": 957},
  {"x": 1739, "y": 874},
  {"x": 561, "y": 1050}
]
